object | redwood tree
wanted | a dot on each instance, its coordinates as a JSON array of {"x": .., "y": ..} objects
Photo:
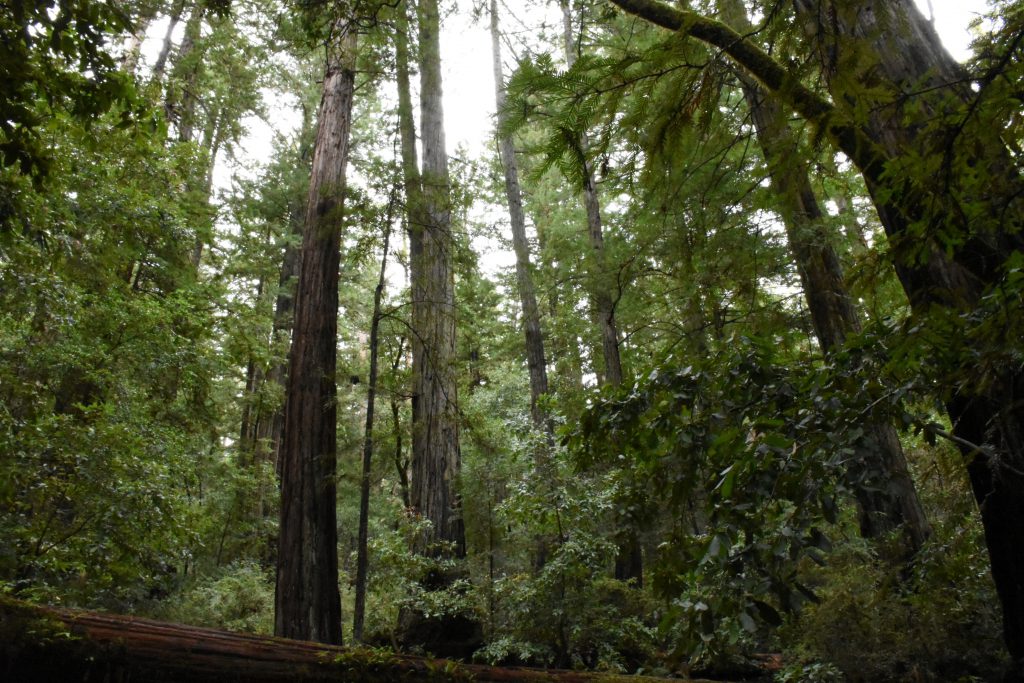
[
  {"x": 307, "y": 602},
  {"x": 888, "y": 500},
  {"x": 435, "y": 429}
]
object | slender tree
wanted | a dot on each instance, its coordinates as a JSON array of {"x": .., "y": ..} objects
[
  {"x": 307, "y": 601},
  {"x": 359, "y": 610},
  {"x": 535, "y": 358},
  {"x": 601, "y": 289},
  {"x": 160, "y": 66},
  {"x": 629, "y": 559}
]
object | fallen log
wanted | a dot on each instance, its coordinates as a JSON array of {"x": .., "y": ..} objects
[{"x": 53, "y": 645}]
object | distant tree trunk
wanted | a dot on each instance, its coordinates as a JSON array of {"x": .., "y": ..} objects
[
  {"x": 601, "y": 290},
  {"x": 435, "y": 431},
  {"x": 307, "y": 603},
  {"x": 535, "y": 359},
  {"x": 181, "y": 107},
  {"x": 413, "y": 210},
  {"x": 160, "y": 66},
  {"x": 213, "y": 138},
  {"x": 270, "y": 424},
  {"x": 628, "y": 560},
  {"x": 364, "y": 482},
  {"x": 130, "y": 58},
  {"x": 888, "y": 499},
  {"x": 401, "y": 463}
]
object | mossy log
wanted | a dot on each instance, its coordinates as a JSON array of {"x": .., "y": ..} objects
[{"x": 61, "y": 645}]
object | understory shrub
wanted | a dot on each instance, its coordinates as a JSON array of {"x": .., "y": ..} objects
[
  {"x": 238, "y": 598},
  {"x": 937, "y": 620}
]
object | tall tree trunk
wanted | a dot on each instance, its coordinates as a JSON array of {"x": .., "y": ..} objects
[
  {"x": 213, "y": 138},
  {"x": 181, "y": 107},
  {"x": 628, "y": 562},
  {"x": 912, "y": 83},
  {"x": 130, "y": 58},
  {"x": 413, "y": 208},
  {"x": 307, "y": 602},
  {"x": 535, "y": 359},
  {"x": 435, "y": 458},
  {"x": 887, "y": 498},
  {"x": 435, "y": 431},
  {"x": 359, "y": 610},
  {"x": 602, "y": 290}
]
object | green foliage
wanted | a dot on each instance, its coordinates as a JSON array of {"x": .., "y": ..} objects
[
  {"x": 239, "y": 597},
  {"x": 870, "y": 624},
  {"x": 106, "y": 367},
  {"x": 54, "y": 59},
  {"x": 565, "y": 611},
  {"x": 749, "y": 449}
]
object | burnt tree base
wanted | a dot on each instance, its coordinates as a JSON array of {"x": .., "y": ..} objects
[{"x": 453, "y": 636}]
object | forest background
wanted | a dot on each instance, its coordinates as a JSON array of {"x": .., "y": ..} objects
[{"x": 759, "y": 305}]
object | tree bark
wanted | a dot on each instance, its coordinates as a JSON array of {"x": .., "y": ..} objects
[
  {"x": 307, "y": 602},
  {"x": 535, "y": 358},
  {"x": 886, "y": 496},
  {"x": 435, "y": 431}
]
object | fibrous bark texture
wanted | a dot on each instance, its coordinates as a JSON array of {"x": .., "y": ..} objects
[
  {"x": 435, "y": 430},
  {"x": 307, "y": 603}
]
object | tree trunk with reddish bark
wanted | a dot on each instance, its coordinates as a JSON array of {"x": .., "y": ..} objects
[{"x": 307, "y": 602}]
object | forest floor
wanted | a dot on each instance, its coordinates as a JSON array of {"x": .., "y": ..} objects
[{"x": 54, "y": 645}]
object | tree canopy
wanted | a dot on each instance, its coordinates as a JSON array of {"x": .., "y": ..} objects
[{"x": 712, "y": 361}]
